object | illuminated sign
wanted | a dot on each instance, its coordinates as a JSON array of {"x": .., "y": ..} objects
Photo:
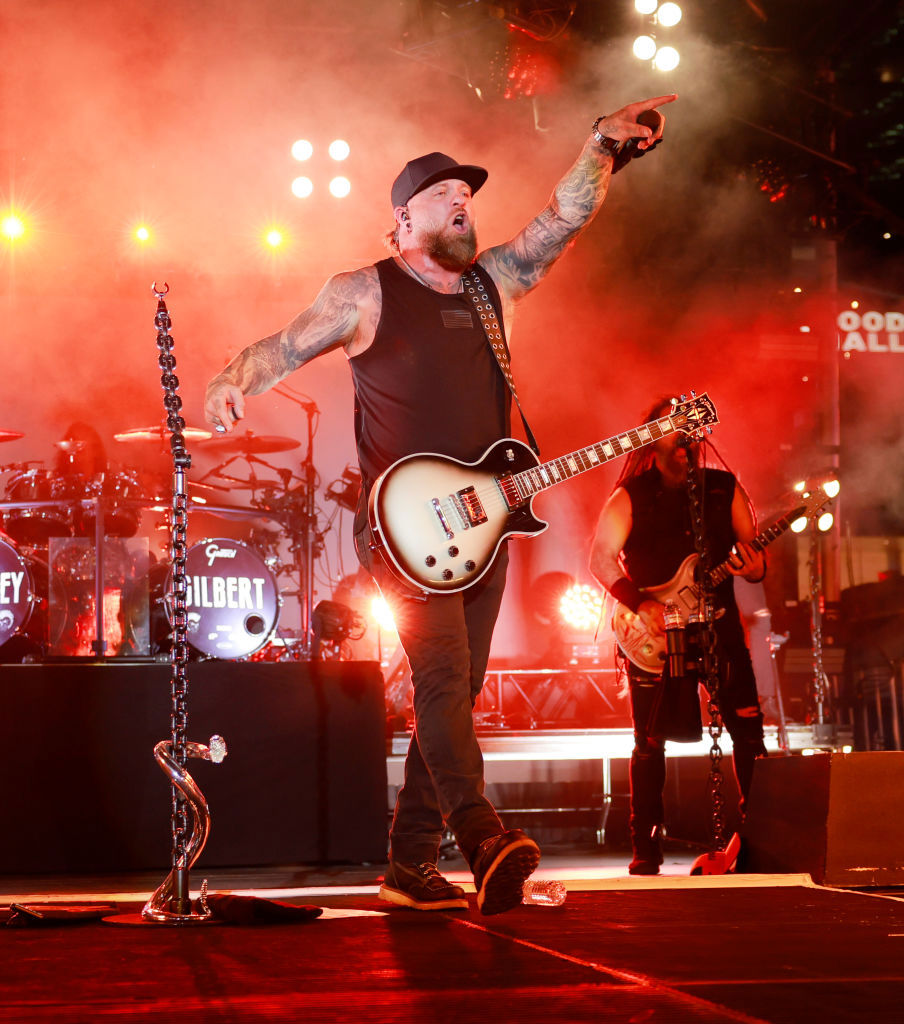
[{"x": 871, "y": 331}]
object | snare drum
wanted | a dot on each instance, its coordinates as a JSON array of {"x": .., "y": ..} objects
[
  {"x": 232, "y": 600},
  {"x": 33, "y": 526}
]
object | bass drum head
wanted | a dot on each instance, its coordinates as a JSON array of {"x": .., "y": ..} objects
[
  {"x": 25, "y": 632},
  {"x": 232, "y": 600}
]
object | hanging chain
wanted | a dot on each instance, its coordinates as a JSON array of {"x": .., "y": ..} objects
[
  {"x": 178, "y": 550},
  {"x": 710, "y": 658}
]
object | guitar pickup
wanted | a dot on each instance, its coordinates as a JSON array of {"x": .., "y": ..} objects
[{"x": 469, "y": 507}]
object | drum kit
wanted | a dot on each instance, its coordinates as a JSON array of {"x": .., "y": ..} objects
[{"x": 77, "y": 560}]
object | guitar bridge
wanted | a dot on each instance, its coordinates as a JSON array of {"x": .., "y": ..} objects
[{"x": 469, "y": 507}]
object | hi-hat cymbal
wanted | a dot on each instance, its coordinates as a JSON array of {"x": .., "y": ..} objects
[
  {"x": 252, "y": 443},
  {"x": 160, "y": 432},
  {"x": 10, "y": 435}
]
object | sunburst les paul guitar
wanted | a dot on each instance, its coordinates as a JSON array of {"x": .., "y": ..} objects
[
  {"x": 437, "y": 522},
  {"x": 648, "y": 652}
]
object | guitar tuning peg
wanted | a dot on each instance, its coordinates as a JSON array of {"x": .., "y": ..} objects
[
  {"x": 684, "y": 398},
  {"x": 693, "y": 393}
]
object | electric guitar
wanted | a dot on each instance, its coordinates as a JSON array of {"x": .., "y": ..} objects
[
  {"x": 437, "y": 522},
  {"x": 648, "y": 652}
]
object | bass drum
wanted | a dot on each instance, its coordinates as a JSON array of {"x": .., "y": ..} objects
[
  {"x": 25, "y": 633},
  {"x": 232, "y": 600}
]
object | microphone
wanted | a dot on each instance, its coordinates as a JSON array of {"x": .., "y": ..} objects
[{"x": 675, "y": 640}]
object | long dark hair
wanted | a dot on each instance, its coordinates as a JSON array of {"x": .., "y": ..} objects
[{"x": 641, "y": 459}]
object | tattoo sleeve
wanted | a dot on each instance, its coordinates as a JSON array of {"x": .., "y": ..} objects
[
  {"x": 527, "y": 258},
  {"x": 329, "y": 322}
]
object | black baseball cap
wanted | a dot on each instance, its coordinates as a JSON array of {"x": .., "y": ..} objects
[{"x": 425, "y": 170}]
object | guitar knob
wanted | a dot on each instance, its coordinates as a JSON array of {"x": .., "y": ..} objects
[
  {"x": 430, "y": 560},
  {"x": 447, "y": 574},
  {"x": 470, "y": 566},
  {"x": 453, "y": 552}
]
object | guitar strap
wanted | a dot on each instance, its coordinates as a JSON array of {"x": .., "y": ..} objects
[{"x": 476, "y": 289}]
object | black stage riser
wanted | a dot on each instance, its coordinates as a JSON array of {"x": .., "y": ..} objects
[
  {"x": 304, "y": 780},
  {"x": 838, "y": 817}
]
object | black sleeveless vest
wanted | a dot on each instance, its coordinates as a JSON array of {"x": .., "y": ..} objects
[
  {"x": 429, "y": 381},
  {"x": 662, "y": 535}
]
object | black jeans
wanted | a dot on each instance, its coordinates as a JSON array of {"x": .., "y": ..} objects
[
  {"x": 737, "y": 690},
  {"x": 447, "y": 640}
]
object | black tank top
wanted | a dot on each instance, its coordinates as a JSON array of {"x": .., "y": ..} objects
[
  {"x": 429, "y": 381},
  {"x": 662, "y": 535}
]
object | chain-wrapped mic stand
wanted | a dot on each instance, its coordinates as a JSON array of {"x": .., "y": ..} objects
[{"x": 171, "y": 903}]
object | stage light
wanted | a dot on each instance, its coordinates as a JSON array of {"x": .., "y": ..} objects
[
  {"x": 644, "y": 47},
  {"x": 302, "y": 149},
  {"x": 645, "y": 6},
  {"x": 667, "y": 58},
  {"x": 797, "y": 289},
  {"x": 886, "y": 235},
  {"x": 581, "y": 606},
  {"x": 855, "y": 304},
  {"x": 339, "y": 149},
  {"x": 340, "y": 187},
  {"x": 825, "y": 522},
  {"x": 669, "y": 14},
  {"x": 804, "y": 329},
  {"x": 302, "y": 187},
  {"x": 382, "y": 614},
  {"x": 274, "y": 238},
  {"x": 142, "y": 234},
  {"x": 12, "y": 226}
]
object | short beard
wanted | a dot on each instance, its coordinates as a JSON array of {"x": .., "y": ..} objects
[{"x": 451, "y": 251}]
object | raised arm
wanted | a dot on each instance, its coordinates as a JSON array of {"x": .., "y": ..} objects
[
  {"x": 335, "y": 318},
  {"x": 518, "y": 266}
]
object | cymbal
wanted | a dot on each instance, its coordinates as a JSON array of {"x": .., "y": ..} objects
[
  {"x": 160, "y": 432},
  {"x": 251, "y": 484},
  {"x": 251, "y": 442},
  {"x": 69, "y": 445},
  {"x": 10, "y": 435}
]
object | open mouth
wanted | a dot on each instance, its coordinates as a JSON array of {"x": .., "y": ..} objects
[{"x": 460, "y": 222}]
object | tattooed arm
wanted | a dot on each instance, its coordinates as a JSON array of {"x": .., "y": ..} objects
[
  {"x": 519, "y": 265},
  {"x": 341, "y": 315}
]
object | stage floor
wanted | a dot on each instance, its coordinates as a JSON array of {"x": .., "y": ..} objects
[{"x": 741, "y": 948}]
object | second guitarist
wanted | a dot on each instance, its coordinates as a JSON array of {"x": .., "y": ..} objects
[{"x": 643, "y": 535}]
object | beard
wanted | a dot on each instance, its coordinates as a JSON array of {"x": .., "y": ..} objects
[{"x": 451, "y": 251}]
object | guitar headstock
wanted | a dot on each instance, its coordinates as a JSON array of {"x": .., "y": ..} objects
[
  {"x": 695, "y": 416},
  {"x": 811, "y": 506}
]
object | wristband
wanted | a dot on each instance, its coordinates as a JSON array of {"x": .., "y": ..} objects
[
  {"x": 611, "y": 146},
  {"x": 627, "y": 593}
]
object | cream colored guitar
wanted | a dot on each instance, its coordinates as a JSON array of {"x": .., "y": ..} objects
[
  {"x": 437, "y": 522},
  {"x": 648, "y": 652}
]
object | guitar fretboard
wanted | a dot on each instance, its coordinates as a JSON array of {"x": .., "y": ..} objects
[
  {"x": 760, "y": 541},
  {"x": 531, "y": 481}
]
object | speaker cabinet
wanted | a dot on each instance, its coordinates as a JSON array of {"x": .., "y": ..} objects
[{"x": 838, "y": 817}]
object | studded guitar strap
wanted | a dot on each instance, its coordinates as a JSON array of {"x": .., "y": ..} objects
[{"x": 476, "y": 289}]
